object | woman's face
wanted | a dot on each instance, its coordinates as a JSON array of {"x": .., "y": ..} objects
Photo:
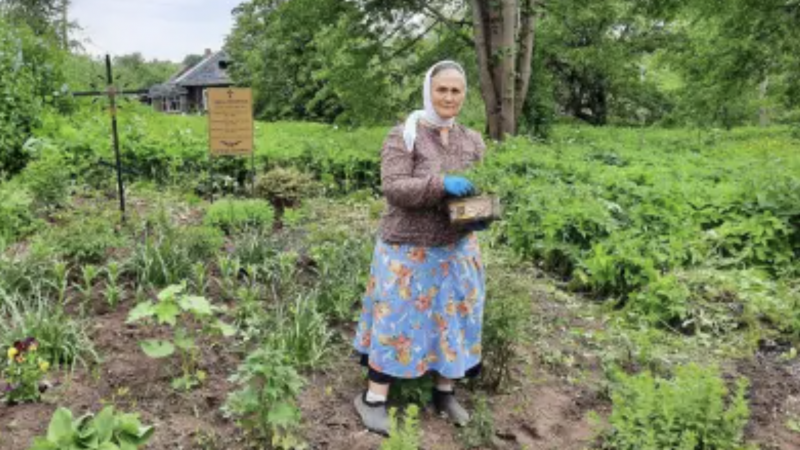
[{"x": 447, "y": 93}]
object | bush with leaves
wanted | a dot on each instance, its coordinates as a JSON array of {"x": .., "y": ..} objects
[
  {"x": 506, "y": 323},
  {"x": 47, "y": 176},
  {"x": 284, "y": 188},
  {"x": 84, "y": 239},
  {"x": 480, "y": 431},
  {"x": 342, "y": 270},
  {"x": 30, "y": 79},
  {"x": 181, "y": 312},
  {"x": 62, "y": 340},
  {"x": 168, "y": 254},
  {"x": 265, "y": 404},
  {"x": 692, "y": 410},
  {"x": 406, "y": 436},
  {"x": 16, "y": 213},
  {"x": 107, "y": 430},
  {"x": 234, "y": 215}
]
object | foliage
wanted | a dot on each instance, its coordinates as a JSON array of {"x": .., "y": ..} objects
[
  {"x": 84, "y": 239},
  {"x": 300, "y": 330},
  {"x": 30, "y": 80},
  {"x": 342, "y": 269},
  {"x": 265, "y": 404},
  {"x": 16, "y": 214},
  {"x": 232, "y": 215},
  {"x": 691, "y": 411},
  {"x": 480, "y": 431},
  {"x": 61, "y": 339},
  {"x": 506, "y": 318},
  {"x": 622, "y": 221},
  {"x": 405, "y": 436},
  {"x": 23, "y": 371},
  {"x": 167, "y": 253},
  {"x": 178, "y": 310},
  {"x": 47, "y": 177},
  {"x": 107, "y": 430},
  {"x": 284, "y": 187}
]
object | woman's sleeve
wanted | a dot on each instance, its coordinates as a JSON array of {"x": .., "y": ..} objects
[
  {"x": 480, "y": 145},
  {"x": 398, "y": 183}
]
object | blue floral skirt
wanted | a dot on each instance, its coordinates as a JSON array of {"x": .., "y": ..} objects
[{"x": 423, "y": 309}]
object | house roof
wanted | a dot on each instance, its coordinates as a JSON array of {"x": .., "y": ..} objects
[{"x": 211, "y": 71}]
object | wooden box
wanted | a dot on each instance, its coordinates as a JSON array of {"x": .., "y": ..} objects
[{"x": 474, "y": 209}]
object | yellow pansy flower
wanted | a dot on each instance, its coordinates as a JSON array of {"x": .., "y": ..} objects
[{"x": 12, "y": 352}]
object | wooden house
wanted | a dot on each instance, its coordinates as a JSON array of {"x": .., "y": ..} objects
[{"x": 185, "y": 92}]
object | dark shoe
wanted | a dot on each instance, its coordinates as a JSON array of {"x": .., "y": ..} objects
[
  {"x": 448, "y": 407},
  {"x": 373, "y": 415}
]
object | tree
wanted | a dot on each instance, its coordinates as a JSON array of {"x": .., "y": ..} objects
[
  {"x": 192, "y": 60},
  {"x": 504, "y": 40},
  {"x": 30, "y": 80}
]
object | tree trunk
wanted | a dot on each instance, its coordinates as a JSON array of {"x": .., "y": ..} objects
[
  {"x": 525, "y": 54},
  {"x": 65, "y": 24},
  {"x": 504, "y": 38},
  {"x": 508, "y": 72},
  {"x": 480, "y": 22}
]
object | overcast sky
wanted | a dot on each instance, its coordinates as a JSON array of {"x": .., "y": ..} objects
[{"x": 161, "y": 29}]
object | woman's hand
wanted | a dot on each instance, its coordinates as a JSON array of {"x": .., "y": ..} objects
[{"x": 458, "y": 186}]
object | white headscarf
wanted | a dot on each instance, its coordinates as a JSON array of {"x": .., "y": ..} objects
[{"x": 429, "y": 113}]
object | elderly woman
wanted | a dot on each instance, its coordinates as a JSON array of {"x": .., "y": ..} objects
[{"x": 423, "y": 308}]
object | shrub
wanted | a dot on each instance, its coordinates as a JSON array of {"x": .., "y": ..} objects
[
  {"x": 83, "y": 240},
  {"x": 106, "y": 430},
  {"x": 168, "y": 255},
  {"x": 231, "y": 215},
  {"x": 16, "y": 218},
  {"x": 480, "y": 431},
  {"x": 265, "y": 404},
  {"x": 693, "y": 410},
  {"x": 407, "y": 436},
  {"x": 342, "y": 271},
  {"x": 284, "y": 188},
  {"x": 48, "y": 178},
  {"x": 506, "y": 320},
  {"x": 61, "y": 339}
]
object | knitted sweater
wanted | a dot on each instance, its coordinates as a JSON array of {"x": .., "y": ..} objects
[{"x": 413, "y": 184}]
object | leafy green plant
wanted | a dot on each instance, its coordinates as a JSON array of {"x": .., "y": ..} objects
[
  {"x": 23, "y": 371},
  {"x": 178, "y": 310},
  {"x": 284, "y": 188},
  {"x": 480, "y": 431},
  {"x": 301, "y": 331},
  {"x": 16, "y": 216},
  {"x": 692, "y": 410},
  {"x": 342, "y": 269},
  {"x": 89, "y": 274},
  {"x": 418, "y": 391},
  {"x": 107, "y": 430},
  {"x": 265, "y": 404},
  {"x": 234, "y": 215},
  {"x": 83, "y": 240},
  {"x": 406, "y": 436},
  {"x": 48, "y": 177},
  {"x": 62, "y": 340},
  {"x": 113, "y": 289},
  {"x": 166, "y": 255},
  {"x": 507, "y": 316}
]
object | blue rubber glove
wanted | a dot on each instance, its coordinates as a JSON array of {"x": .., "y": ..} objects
[
  {"x": 477, "y": 226},
  {"x": 458, "y": 186}
]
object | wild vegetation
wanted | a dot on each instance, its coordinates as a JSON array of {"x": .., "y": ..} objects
[{"x": 643, "y": 284}]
